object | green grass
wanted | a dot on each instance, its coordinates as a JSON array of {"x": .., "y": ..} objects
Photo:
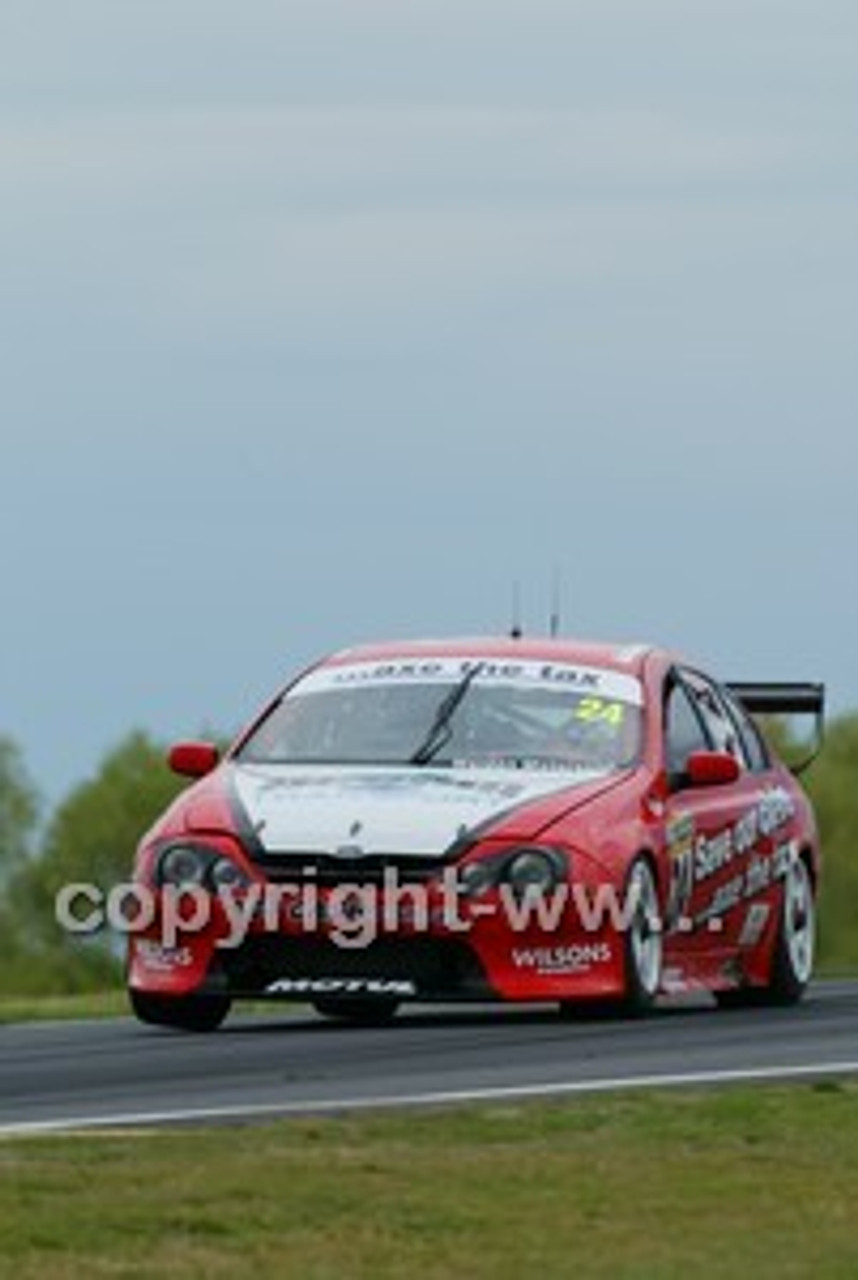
[
  {"x": 108, "y": 1004},
  {"x": 739, "y": 1182},
  {"x": 96, "y": 1004}
]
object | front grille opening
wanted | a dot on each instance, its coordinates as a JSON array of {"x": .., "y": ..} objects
[
  {"x": 439, "y": 968},
  {"x": 329, "y": 869}
]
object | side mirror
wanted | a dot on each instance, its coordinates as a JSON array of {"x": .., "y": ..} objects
[
  {"x": 193, "y": 759},
  {"x": 712, "y": 769}
]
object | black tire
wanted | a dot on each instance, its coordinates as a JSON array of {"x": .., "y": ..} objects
[
  {"x": 793, "y": 951},
  {"x": 361, "y": 1011},
  {"x": 184, "y": 1013},
  {"x": 643, "y": 953},
  {"x": 643, "y": 941}
]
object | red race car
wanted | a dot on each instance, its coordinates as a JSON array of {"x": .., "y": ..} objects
[{"x": 486, "y": 819}]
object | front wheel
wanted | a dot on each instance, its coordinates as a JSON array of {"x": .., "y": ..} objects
[
  {"x": 643, "y": 951},
  {"x": 644, "y": 939},
  {"x": 794, "y": 948},
  {"x": 184, "y": 1013}
]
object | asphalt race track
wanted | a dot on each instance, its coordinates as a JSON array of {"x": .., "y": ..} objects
[{"x": 71, "y": 1075}]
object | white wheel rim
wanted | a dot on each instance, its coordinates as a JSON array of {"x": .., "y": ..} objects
[
  {"x": 799, "y": 920},
  {"x": 646, "y": 930}
]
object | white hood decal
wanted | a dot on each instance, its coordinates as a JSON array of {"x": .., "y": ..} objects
[{"x": 357, "y": 810}]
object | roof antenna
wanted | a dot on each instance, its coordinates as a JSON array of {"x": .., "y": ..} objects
[
  {"x": 554, "y": 619},
  {"x": 515, "y": 630}
]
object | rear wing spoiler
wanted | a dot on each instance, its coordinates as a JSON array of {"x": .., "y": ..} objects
[{"x": 790, "y": 699}]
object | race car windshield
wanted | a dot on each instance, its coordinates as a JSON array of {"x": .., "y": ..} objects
[{"x": 524, "y": 715}]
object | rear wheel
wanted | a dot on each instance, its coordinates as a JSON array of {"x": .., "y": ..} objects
[
  {"x": 794, "y": 948},
  {"x": 185, "y": 1013},
  {"x": 365, "y": 1012}
]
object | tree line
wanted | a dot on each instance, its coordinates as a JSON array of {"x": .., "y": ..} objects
[{"x": 91, "y": 835}]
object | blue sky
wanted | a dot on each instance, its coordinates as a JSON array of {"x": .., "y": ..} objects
[{"x": 320, "y": 323}]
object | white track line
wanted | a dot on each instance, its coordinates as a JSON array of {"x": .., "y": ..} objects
[{"x": 251, "y": 1111}]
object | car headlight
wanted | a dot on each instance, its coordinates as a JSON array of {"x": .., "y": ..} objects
[
  {"x": 476, "y": 877},
  {"x": 537, "y": 867},
  {"x": 226, "y": 874},
  {"x": 182, "y": 865}
]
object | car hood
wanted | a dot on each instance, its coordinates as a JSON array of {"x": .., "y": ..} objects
[{"x": 355, "y": 810}]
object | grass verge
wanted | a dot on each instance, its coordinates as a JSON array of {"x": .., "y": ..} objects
[
  {"x": 94, "y": 1004},
  {"x": 750, "y": 1181},
  {"x": 112, "y": 1004}
]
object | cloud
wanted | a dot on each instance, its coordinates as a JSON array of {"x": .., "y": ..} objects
[
  {"x": 315, "y": 153},
  {"x": 318, "y": 215},
  {"x": 98, "y": 52}
]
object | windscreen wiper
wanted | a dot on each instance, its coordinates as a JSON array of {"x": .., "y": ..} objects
[{"x": 439, "y": 730}]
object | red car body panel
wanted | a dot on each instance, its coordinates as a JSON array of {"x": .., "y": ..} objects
[{"x": 718, "y": 854}]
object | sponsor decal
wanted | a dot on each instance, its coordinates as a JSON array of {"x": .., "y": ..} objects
[
  {"x": 777, "y": 808},
  {"x": 680, "y": 851},
  {"x": 712, "y": 853},
  {"x": 756, "y": 919},
  {"x": 733, "y": 853},
  {"x": 359, "y": 784},
  {"x": 162, "y": 959},
  {"x": 341, "y": 987},
  {"x": 550, "y": 961},
  {"x": 726, "y": 896},
  {"x": 603, "y": 682},
  {"x": 761, "y": 872}
]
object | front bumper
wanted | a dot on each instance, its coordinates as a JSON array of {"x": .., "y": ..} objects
[
  {"x": 487, "y": 964},
  {"x": 448, "y": 955}
]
